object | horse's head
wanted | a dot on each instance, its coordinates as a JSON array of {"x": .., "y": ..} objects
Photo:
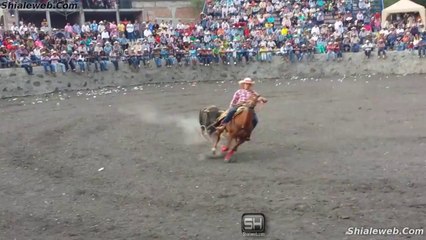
[{"x": 252, "y": 101}]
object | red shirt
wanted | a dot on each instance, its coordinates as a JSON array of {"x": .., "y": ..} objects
[
  {"x": 246, "y": 32},
  {"x": 336, "y": 47}
]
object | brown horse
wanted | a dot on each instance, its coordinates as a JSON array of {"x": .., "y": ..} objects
[{"x": 239, "y": 128}]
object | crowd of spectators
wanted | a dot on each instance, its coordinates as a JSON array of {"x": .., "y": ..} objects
[{"x": 235, "y": 33}]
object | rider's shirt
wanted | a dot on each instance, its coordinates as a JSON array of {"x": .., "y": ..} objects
[{"x": 241, "y": 96}]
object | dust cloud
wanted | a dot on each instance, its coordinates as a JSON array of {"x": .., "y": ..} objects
[{"x": 187, "y": 125}]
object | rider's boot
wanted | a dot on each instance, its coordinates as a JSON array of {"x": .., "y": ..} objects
[{"x": 221, "y": 127}]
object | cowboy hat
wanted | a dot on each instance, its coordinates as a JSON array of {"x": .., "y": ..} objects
[{"x": 246, "y": 81}]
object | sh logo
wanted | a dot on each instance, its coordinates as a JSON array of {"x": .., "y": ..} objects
[{"x": 253, "y": 224}]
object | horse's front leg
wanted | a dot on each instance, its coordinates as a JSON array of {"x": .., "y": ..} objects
[
  {"x": 234, "y": 149},
  {"x": 226, "y": 147}
]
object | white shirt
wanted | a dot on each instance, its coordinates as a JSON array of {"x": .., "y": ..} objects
[
  {"x": 15, "y": 28},
  {"x": 105, "y": 34},
  {"x": 147, "y": 33},
  {"x": 23, "y": 29},
  {"x": 37, "y": 52},
  {"x": 180, "y": 26},
  {"x": 338, "y": 26},
  {"x": 44, "y": 29},
  {"x": 315, "y": 30},
  {"x": 367, "y": 46},
  {"x": 186, "y": 39},
  {"x": 101, "y": 28},
  {"x": 271, "y": 44},
  {"x": 85, "y": 28},
  {"x": 130, "y": 28},
  {"x": 385, "y": 32},
  {"x": 225, "y": 25}
]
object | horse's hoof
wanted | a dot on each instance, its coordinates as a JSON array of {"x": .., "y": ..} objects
[
  {"x": 213, "y": 151},
  {"x": 224, "y": 149},
  {"x": 228, "y": 156}
]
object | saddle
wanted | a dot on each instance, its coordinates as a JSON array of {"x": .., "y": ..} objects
[{"x": 224, "y": 113}]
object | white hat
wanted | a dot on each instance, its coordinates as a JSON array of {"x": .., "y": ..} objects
[{"x": 246, "y": 80}]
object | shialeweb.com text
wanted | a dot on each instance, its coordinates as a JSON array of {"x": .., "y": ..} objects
[
  {"x": 384, "y": 231},
  {"x": 32, "y": 5}
]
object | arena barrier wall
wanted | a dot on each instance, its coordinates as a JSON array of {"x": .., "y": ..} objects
[{"x": 16, "y": 82}]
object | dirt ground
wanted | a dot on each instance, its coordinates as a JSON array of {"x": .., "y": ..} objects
[{"x": 328, "y": 154}]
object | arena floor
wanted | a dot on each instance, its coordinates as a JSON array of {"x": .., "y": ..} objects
[{"x": 328, "y": 154}]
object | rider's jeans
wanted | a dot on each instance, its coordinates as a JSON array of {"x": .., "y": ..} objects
[{"x": 231, "y": 113}]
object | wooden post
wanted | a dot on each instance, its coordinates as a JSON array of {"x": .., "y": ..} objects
[
  {"x": 117, "y": 12},
  {"x": 17, "y": 16},
  {"x": 49, "y": 22},
  {"x": 82, "y": 17}
]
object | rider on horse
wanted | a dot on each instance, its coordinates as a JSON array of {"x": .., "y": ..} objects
[{"x": 240, "y": 97}]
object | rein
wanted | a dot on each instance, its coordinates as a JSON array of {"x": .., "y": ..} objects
[{"x": 211, "y": 125}]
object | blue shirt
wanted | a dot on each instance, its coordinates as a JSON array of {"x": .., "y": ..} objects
[
  {"x": 193, "y": 53},
  {"x": 164, "y": 53},
  {"x": 94, "y": 27}
]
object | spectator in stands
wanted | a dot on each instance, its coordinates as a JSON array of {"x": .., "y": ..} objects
[
  {"x": 45, "y": 62},
  {"x": 4, "y": 58},
  {"x": 55, "y": 60},
  {"x": 26, "y": 64},
  {"x": 368, "y": 48},
  {"x": 331, "y": 54},
  {"x": 381, "y": 48},
  {"x": 81, "y": 61},
  {"x": 248, "y": 31},
  {"x": 422, "y": 45},
  {"x": 115, "y": 58}
]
